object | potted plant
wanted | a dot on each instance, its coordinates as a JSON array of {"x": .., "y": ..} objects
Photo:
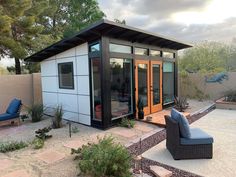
[{"x": 140, "y": 109}]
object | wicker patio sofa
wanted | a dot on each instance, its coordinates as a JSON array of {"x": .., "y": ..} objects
[{"x": 180, "y": 148}]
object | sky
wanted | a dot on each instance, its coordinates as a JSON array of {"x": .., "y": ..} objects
[{"x": 191, "y": 21}]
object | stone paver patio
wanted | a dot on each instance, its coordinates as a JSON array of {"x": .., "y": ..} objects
[{"x": 221, "y": 124}]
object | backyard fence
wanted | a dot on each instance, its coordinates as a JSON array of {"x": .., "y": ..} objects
[
  {"x": 26, "y": 87},
  {"x": 194, "y": 85}
]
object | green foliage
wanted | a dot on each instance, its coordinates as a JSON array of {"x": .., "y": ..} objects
[
  {"x": 12, "y": 146},
  {"x": 43, "y": 133},
  {"x": 38, "y": 143},
  {"x": 125, "y": 122},
  {"x": 36, "y": 112},
  {"x": 209, "y": 57},
  {"x": 63, "y": 18},
  {"x": 75, "y": 129},
  {"x": 181, "y": 103},
  {"x": 105, "y": 159},
  {"x": 3, "y": 71},
  {"x": 20, "y": 32},
  {"x": 57, "y": 118},
  {"x": 230, "y": 96}
]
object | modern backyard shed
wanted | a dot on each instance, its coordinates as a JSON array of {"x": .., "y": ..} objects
[{"x": 99, "y": 74}]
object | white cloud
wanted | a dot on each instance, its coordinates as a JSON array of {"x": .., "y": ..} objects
[{"x": 192, "y": 21}]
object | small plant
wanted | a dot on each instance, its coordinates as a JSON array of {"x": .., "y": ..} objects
[
  {"x": 181, "y": 103},
  {"x": 105, "y": 159},
  {"x": 42, "y": 133},
  {"x": 75, "y": 129},
  {"x": 56, "y": 120},
  {"x": 140, "y": 108},
  {"x": 40, "y": 137},
  {"x": 12, "y": 146},
  {"x": 36, "y": 112},
  {"x": 125, "y": 122},
  {"x": 38, "y": 143},
  {"x": 230, "y": 96}
]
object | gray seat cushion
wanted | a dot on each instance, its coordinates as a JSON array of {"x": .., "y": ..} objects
[
  {"x": 197, "y": 137},
  {"x": 183, "y": 123}
]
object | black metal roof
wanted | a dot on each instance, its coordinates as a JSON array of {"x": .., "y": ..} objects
[{"x": 111, "y": 29}]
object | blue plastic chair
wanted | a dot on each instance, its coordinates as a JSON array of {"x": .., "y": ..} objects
[{"x": 12, "y": 113}]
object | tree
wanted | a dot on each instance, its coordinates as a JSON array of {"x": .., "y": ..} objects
[
  {"x": 209, "y": 57},
  {"x": 20, "y": 32},
  {"x": 63, "y": 18}
]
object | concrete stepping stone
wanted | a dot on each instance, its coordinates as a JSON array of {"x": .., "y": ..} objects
[
  {"x": 50, "y": 156},
  {"x": 74, "y": 144},
  {"x": 125, "y": 132},
  {"x": 160, "y": 171},
  {"x": 5, "y": 163},
  {"x": 143, "y": 128},
  {"x": 18, "y": 173}
]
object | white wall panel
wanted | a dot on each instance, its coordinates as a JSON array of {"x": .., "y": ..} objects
[
  {"x": 48, "y": 68},
  {"x": 83, "y": 85},
  {"x": 67, "y": 53},
  {"x": 84, "y": 119},
  {"x": 71, "y": 116},
  {"x": 82, "y": 65},
  {"x": 49, "y": 84},
  {"x": 82, "y": 49},
  {"x": 50, "y": 99},
  {"x": 84, "y": 104},
  {"x": 68, "y": 102}
]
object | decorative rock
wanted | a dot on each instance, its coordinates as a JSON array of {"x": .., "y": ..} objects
[{"x": 160, "y": 171}]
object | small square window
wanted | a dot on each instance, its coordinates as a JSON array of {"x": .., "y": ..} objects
[
  {"x": 94, "y": 48},
  {"x": 66, "y": 75},
  {"x": 168, "y": 55},
  {"x": 140, "y": 51},
  {"x": 155, "y": 53}
]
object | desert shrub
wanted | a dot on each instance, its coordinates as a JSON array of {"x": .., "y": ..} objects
[
  {"x": 12, "y": 146},
  {"x": 230, "y": 96},
  {"x": 40, "y": 136},
  {"x": 43, "y": 133},
  {"x": 36, "y": 112},
  {"x": 57, "y": 118},
  {"x": 75, "y": 129},
  {"x": 104, "y": 159},
  {"x": 181, "y": 103},
  {"x": 38, "y": 143},
  {"x": 125, "y": 122}
]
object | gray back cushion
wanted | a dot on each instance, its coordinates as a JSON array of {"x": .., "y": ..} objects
[{"x": 183, "y": 123}]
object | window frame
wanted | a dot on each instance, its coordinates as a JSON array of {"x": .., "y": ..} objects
[{"x": 59, "y": 83}]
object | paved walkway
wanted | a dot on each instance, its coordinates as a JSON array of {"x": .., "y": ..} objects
[{"x": 221, "y": 124}]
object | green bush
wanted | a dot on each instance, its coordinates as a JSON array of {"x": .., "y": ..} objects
[
  {"x": 36, "y": 112},
  {"x": 38, "y": 143},
  {"x": 125, "y": 122},
  {"x": 12, "y": 146},
  {"x": 105, "y": 159},
  {"x": 57, "y": 118}
]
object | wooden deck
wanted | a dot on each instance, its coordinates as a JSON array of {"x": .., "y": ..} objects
[{"x": 158, "y": 117}]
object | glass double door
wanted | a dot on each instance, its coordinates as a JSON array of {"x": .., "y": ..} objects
[{"x": 148, "y": 85}]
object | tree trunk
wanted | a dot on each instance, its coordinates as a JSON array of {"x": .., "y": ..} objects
[{"x": 17, "y": 66}]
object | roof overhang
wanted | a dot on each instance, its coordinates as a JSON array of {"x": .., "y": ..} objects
[{"x": 111, "y": 29}]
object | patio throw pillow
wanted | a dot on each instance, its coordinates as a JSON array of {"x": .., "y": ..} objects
[
  {"x": 183, "y": 123},
  {"x": 13, "y": 106}
]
